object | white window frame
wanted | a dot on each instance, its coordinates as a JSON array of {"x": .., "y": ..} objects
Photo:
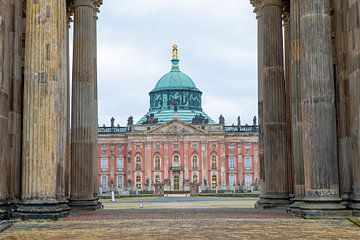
[
  {"x": 104, "y": 164},
  {"x": 120, "y": 159}
]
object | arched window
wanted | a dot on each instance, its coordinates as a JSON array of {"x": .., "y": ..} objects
[
  {"x": 213, "y": 182},
  {"x": 176, "y": 160},
  {"x": 157, "y": 179},
  {"x": 214, "y": 162},
  {"x": 157, "y": 162},
  {"x": 195, "y": 178},
  {"x": 138, "y": 163},
  {"x": 138, "y": 182},
  {"x": 195, "y": 162}
]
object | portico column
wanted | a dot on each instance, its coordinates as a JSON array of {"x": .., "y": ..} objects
[
  {"x": 259, "y": 17},
  {"x": 296, "y": 118},
  {"x": 318, "y": 110},
  {"x": 84, "y": 108},
  {"x": 274, "y": 115},
  {"x": 44, "y": 128},
  {"x": 354, "y": 86}
]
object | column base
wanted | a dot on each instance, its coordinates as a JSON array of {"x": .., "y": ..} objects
[
  {"x": 41, "y": 209},
  {"x": 85, "y": 204},
  {"x": 272, "y": 202},
  {"x": 323, "y": 209},
  {"x": 4, "y": 210},
  {"x": 294, "y": 208},
  {"x": 355, "y": 207}
]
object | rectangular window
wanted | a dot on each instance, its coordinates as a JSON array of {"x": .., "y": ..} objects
[
  {"x": 231, "y": 161},
  {"x": 120, "y": 181},
  {"x": 120, "y": 163},
  {"x": 247, "y": 162},
  {"x": 248, "y": 182},
  {"x": 103, "y": 183},
  {"x": 231, "y": 146},
  {"x": 104, "y": 164},
  {"x": 232, "y": 180}
]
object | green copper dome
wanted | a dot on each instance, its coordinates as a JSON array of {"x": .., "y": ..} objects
[
  {"x": 175, "y": 80},
  {"x": 176, "y": 93}
]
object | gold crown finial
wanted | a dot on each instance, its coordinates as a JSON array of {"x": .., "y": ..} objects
[{"x": 175, "y": 53}]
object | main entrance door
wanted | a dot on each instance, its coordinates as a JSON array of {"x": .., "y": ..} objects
[{"x": 176, "y": 183}]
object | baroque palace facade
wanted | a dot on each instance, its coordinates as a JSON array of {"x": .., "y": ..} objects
[{"x": 178, "y": 147}]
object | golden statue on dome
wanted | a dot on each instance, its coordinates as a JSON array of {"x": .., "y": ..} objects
[{"x": 175, "y": 53}]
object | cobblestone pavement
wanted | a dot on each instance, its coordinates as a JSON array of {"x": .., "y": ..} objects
[{"x": 182, "y": 223}]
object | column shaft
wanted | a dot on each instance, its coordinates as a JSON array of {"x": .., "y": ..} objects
[
  {"x": 318, "y": 109},
  {"x": 44, "y": 133},
  {"x": 354, "y": 86},
  {"x": 342, "y": 101},
  {"x": 84, "y": 108},
  {"x": 296, "y": 118},
  {"x": 274, "y": 112}
]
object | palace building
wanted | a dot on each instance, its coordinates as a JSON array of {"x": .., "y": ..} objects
[{"x": 177, "y": 147}]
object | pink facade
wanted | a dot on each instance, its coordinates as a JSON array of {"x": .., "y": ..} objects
[{"x": 213, "y": 158}]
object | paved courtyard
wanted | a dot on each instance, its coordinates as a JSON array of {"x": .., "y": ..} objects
[{"x": 181, "y": 218}]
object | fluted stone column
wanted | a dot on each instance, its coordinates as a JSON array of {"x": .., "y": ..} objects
[
  {"x": 343, "y": 104},
  {"x": 259, "y": 17},
  {"x": 84, "y": 108},
  {"x": 15, "y": 104},
  {"x": 4, "y": 103},
  {"x": 44, "y": 130},
  {"x": 318, "y": 110},
  {"x": 274, "y": 115},
  {"x": 354, "y": 86},
  {"x": 296, "y": 118}
]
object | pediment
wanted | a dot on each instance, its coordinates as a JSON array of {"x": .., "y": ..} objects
[{"x": 176, "y": 127}]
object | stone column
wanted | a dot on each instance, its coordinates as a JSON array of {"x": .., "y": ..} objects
[
  {"x": 16, "y": 101},
  {"x": 288, "y": 105},
  {"x": 259, "y": 17},
  {"x": 354, "y": 86},
  {"x": 83, "y": 119},
  {"x": 296, "y": 118},
  {"x": 4, "y": 103},
  {"x": 274, "y": 114},
  {"x": 318, "y": 110},
  {"x": 44, "y": 131},
  {"x": 343, "y": 105}
]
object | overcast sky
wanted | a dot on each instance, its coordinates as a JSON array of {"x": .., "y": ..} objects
[{"x": 217, "y": 48}]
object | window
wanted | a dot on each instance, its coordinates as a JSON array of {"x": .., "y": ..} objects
[
  {"x": 195, "y": 146},
  {"x": 231, "y": 162},
  {"x": 213, "y": 182},
  {"x": 157, "y": 147},
  {"x": 157, "y": 162},
  {"x": 213, "y": 162},
  {"x": 176, "y": 146},
  {"x": 103, "y": 183},
  {"x": 247, "y": 162},
  {"x": 138, "y": 182},
  {"x": 104, "y": 147},
  {"x": 231, "y": 146},
  {"x": 138, "y": 163},
  {"x": 195, "y": 178},
  {"x": 104, "y": 164},
  {"x": 248, "y": 182},
  {"x": 120, "y": 181},
  {"x": 120, "y": 163},
  {"x": 232, "y": 180},
  {"x": 120, "y": 148},
  {"x": 138, "y": 148},
  {"x": 195, "y": 162},
  {"x": 247, "y": 147},
  {"x": 157, "y": 179},
  {"x": 176, "y": 160},
  {"x": 213, "y": 145}
]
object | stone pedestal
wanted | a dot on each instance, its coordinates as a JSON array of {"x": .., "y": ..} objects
[
  {"x": 319, "y": 138},
  {"x": 275, "y": 188},
  {"x": 84, "y": 108},
  {"x": 44, "y": 132}
]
